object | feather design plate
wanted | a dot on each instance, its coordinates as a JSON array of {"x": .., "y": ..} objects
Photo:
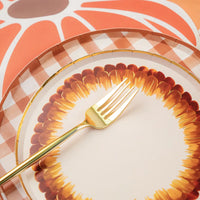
[{"x": 150, "y": 152}]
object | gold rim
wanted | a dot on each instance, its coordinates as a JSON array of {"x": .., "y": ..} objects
[{"x": 71, "y": 64}]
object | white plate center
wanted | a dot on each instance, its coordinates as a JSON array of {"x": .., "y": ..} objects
[{"x": 139, "y": 154}]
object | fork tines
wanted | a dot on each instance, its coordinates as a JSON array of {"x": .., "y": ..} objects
[{"x": 116, "y": 101}]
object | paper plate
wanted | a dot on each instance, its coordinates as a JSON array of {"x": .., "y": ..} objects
[{"x": 151, "y": 150}]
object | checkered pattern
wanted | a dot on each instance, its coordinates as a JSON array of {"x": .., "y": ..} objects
[{"x": 44, "y": 66}]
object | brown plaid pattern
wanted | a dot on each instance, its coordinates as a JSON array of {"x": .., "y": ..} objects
[{"x": 49, "y": 62}]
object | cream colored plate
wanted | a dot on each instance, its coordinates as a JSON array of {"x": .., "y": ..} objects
[{"x": 139, "y": 154}]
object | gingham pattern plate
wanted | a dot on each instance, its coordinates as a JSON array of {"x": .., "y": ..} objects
[{"x": 42, "y": 67}]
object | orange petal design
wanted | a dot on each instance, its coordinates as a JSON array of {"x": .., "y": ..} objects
[
  {"x": 67, "y": 191},
  {"x": 121, "y": 67},
  {"x": 163, "y": 194},
  {"x": 52, "y": 125},
  {"x": 193, "y": 127},
  {"x": 156, "y": 196},
  {"x": 179, "y": 88},
  {"x": 7, "y": 35},
  {"x": 187, "y": 117},
  {"x": 180, "y": 107},
  {"x": 78, "y": 197},
  {"x": 130, "y": 75},
  {"x": 80, "y": 89},
  {"x": 63, "y": 104},
  {"x": 140, "y": 77},
  {"x": 187, "y": 97},
  {"x": 1, "y": 5},
  {"x": 194, "y": 147},
  {"x": 108, "y": 68},
  {"x": 104, "y": 79},
  {"x": 90, "y": 82},
  {"x": 43, "y": 186},
  {"x": 150, "y": 85},
  {"x": 152, "y": 72},
  {"x": 47, "y": 107},
  {"x": 147, "y": 198},
  {"x": 48, "y": 161},
  {"x": 172, "y": 98},
  {"x": 42, "y": 117},
  {"x": 55, "y": 114},
  {"x": 54, "y": 97},
  {"x": 170, "y": 81},
  {"x": 57, "y": 183},
  {"x": 115, "y": 76},
  {"x": 143, "y": 68},
  {"x": 175, "y": 194},
  {"x": 45, "y": 137},
  {"x": 52, "y": 172},
  {"x": 69, "y": 95},
  {"x": 190, "y": 174},
  {"x": 97, "y": 70},
  {"x": 183, "y": 185},
  {"x": 39, "y": 127},
  {"x": 34, "y": 148},
  {"x": 76, "y": 27},
  {"x": 76, "y": 76},
  {"x": 191, "y": 163},
  {"x": 193, "y": 195},
  {"x": 194, "y": 105},
  {"x": 162, "y": 89},
  {"x": 35, "y": 138},
  {"x": 132, "y": 67},
  {"x": 192, "y": 138},
  {"x": 160, "y": 76}
]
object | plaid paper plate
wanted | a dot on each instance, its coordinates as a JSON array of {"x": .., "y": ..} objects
[{"x": 41, "y": 68}]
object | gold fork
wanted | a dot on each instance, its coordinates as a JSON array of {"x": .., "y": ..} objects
[{"x": 98, "y": 116}]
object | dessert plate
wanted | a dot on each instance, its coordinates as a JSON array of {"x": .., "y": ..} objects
[{"x": 150, "y": 151}]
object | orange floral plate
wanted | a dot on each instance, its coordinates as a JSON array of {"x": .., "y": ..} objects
[{"x": 151, "y": 152}]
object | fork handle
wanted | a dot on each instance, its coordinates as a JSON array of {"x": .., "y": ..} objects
[{"x": 35, "y": 157}]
